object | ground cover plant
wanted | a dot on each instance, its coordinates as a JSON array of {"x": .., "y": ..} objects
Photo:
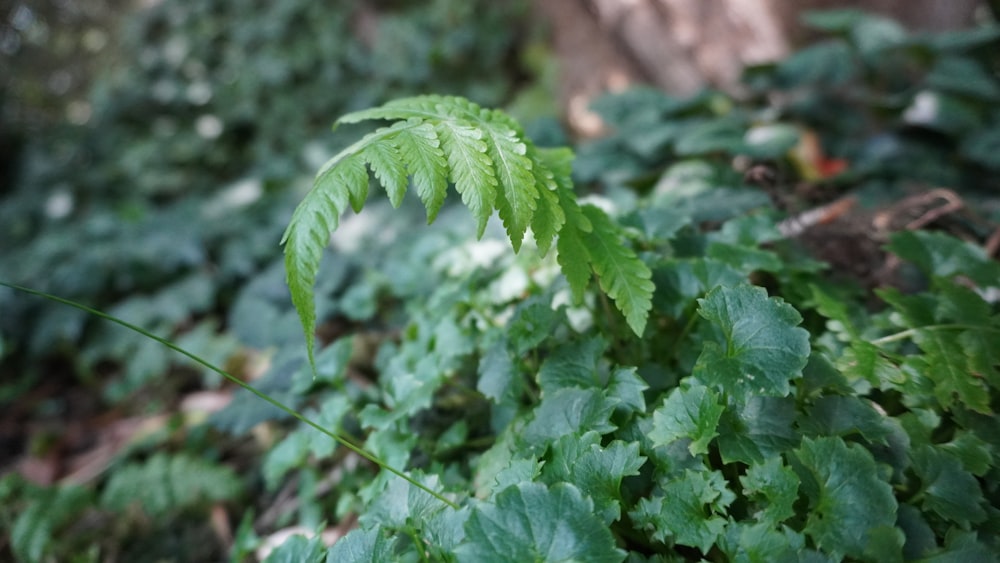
[{"x": 687, "y": 363}]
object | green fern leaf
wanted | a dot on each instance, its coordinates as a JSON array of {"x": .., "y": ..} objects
[
  {"x": 574, "y": 258},
  {"x": 551, "y": 170},
  {"x": 386, "y": 161},
  {"x": 308, "y": 233},
  {"x": 624, "y": 277},
  {"x": 517, "y": 200},
  {"x": 493, "y": 166},
  {"x": 420, "y": 147},
  {"x": 471, "y": 169}
]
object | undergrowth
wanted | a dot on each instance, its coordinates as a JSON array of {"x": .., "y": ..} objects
[{"x": 712, "y": 393}]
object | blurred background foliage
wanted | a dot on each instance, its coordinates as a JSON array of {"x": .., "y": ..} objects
[{"x": 158, "y": 154}]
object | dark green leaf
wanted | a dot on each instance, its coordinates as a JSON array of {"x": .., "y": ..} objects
[
  {"x": 760, "y": 429},
  {"x": 573, "y": 364},
  {"x": 762, "y": 350},
  {"x": 597, "y": 471},
  {"x": 848, "y": 500},
  {"x": 570, "y": 411},
  {"x": 948, "y": 489},
  {"x": 773, "y": 487},
  {"x": 679, "y": 511},
  {"x": 690, "y": 412}
]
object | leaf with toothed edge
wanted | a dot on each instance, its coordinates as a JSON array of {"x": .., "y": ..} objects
[{"x": 437, "y": 140}]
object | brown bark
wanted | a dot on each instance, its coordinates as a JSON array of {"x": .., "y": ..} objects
[{"x": 682, "y": 46}]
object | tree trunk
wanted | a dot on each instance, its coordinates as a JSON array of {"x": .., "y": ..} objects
[{"x": 682, "y": 46}]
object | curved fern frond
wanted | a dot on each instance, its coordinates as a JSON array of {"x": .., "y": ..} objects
[{"x": 437, "y": 140}]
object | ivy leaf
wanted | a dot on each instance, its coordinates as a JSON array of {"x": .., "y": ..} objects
[
  {"x": 691, "y": 411},
  {"x": 680, "y": 281},
  {"x": 627, "y": 386},
  {"x": 763, "y": 349},
  {"x": 623, "y": 276},
  {"x": 531, "y": 522},
  {"x": 847, "y": 499},
  {"x": 760, "y": 542},
  {"x": 775, "y": 486},
  {"x": 687, "y": 510}
]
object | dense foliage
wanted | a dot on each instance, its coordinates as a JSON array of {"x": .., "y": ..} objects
[{"x": 772, "y": 407}]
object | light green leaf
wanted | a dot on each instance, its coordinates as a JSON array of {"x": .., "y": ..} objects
[
  {"x": 297, "y": 549},
  {"x": 530, "y": 522},
  {"x": 623, "y": 276},
  {"x": 362, "y": 546},
  {"x": 308, "y": 233},
  {"x": 420, "y": 148},
  {"x": 290, "y": 453},
  {"x": 471, "y": 169},
  {"x": 496, "y": 369},
  {"x": 389, "y": 167},
  {"x": 516, "y": 201},
  {"x": 401, "y": 505},
  {"x": 762, "y": 350},
  {"x": 690, "y": 411},
  {"x": 848, "y": 500}
]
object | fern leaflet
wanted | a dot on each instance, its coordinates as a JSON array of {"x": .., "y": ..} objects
[{"x": 437, "y": 140}]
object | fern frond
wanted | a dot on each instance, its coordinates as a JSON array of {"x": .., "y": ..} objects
[
  {"x": 420, "y": 147},
  {"x": 493, "y": 166},
  {"x": 471, "y": 169},
  {"x": 623, "y": 276}
]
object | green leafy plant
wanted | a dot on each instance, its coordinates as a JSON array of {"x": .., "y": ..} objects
[
  {"x": 770, "y": 408},
  {"x": 491, "y": 163}
]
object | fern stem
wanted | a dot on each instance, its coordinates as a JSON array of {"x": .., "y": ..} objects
[{"x": 339, "y": 439}]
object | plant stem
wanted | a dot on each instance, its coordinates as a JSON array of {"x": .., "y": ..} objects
[
  {"x": 902, "y": 335},
  {"x": 340, "y": 439}
]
